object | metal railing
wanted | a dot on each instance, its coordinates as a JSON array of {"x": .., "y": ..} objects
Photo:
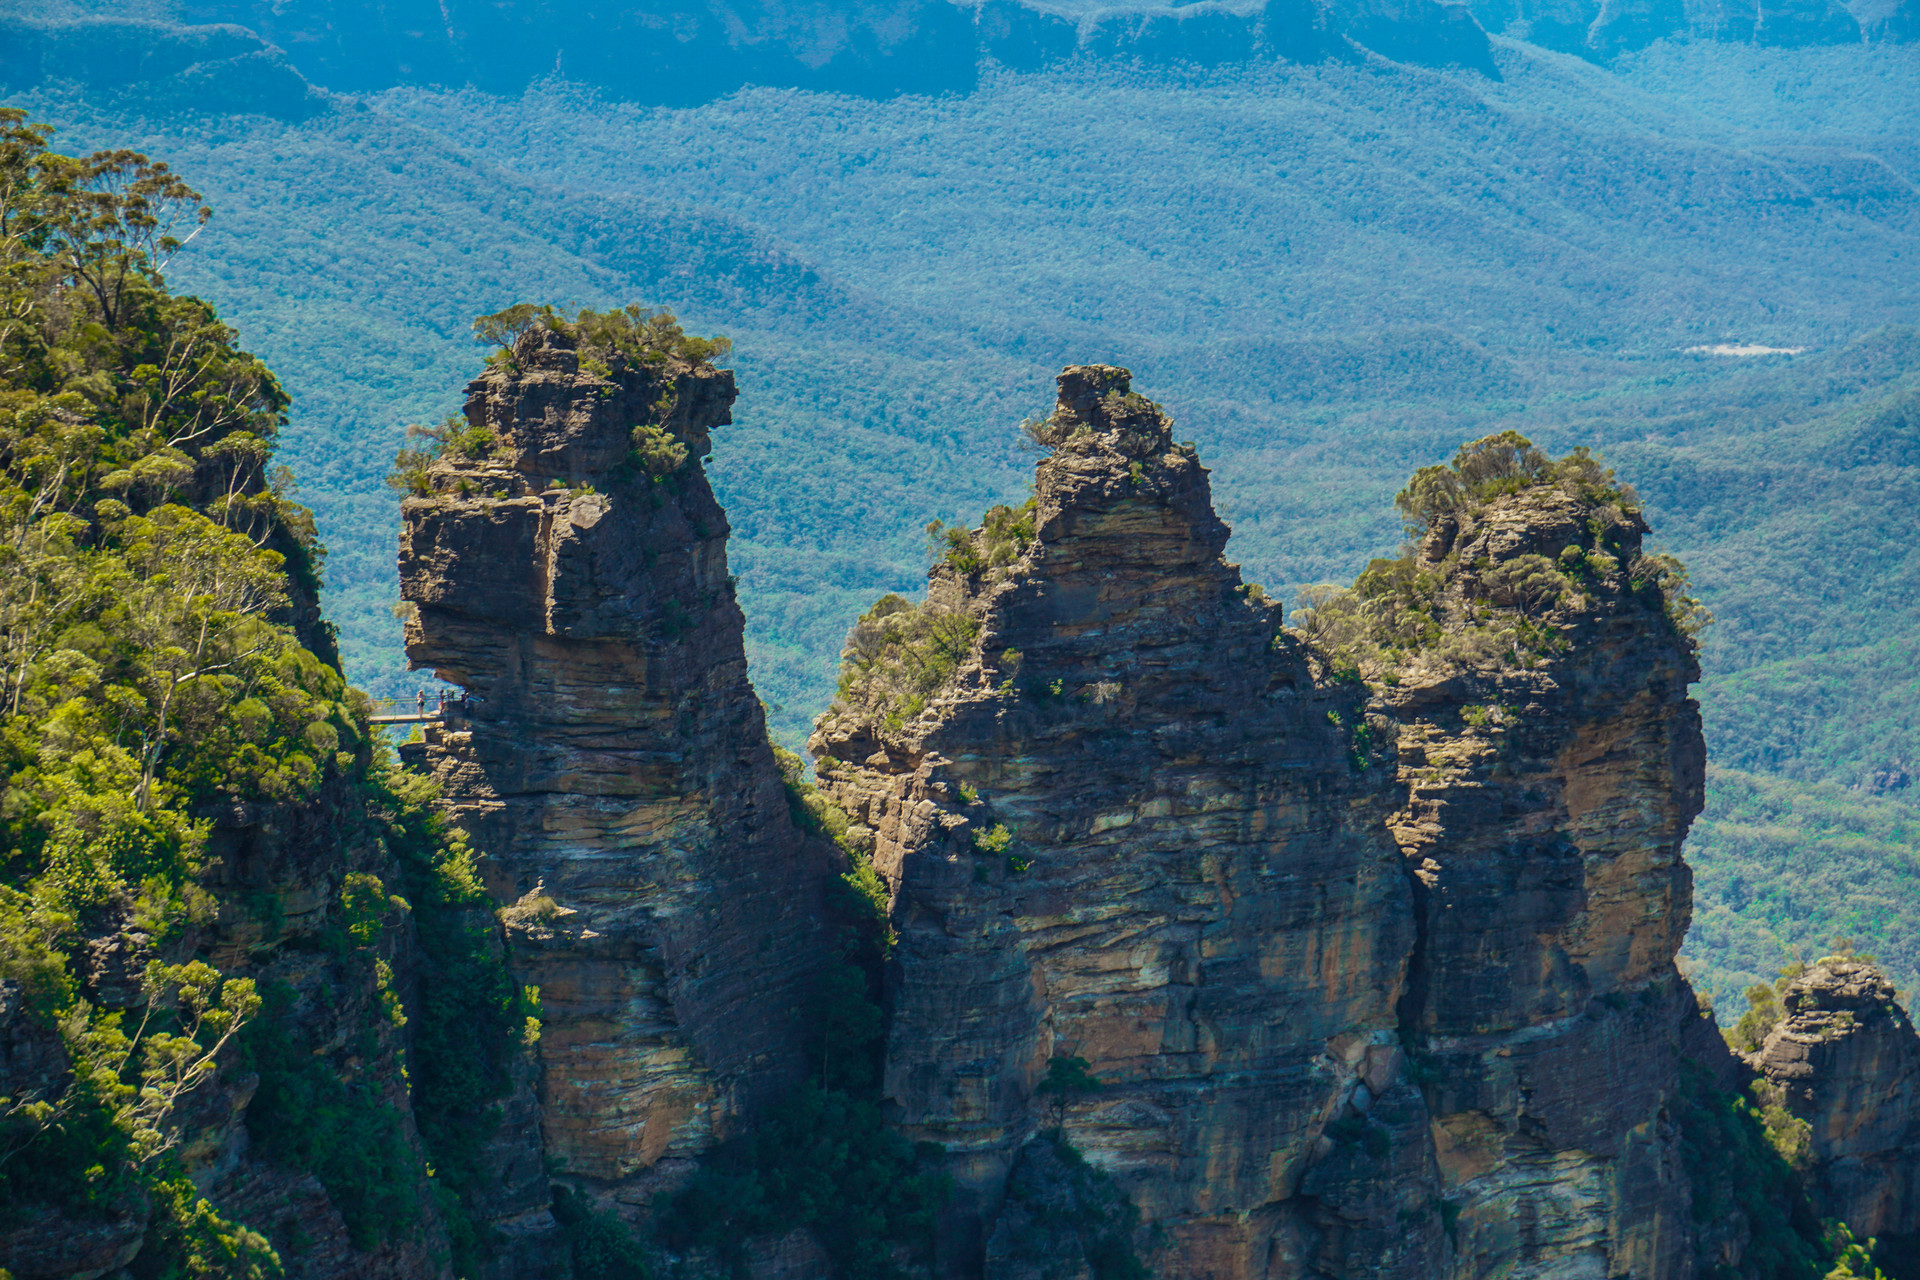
[{"x": 412, "y": 710}]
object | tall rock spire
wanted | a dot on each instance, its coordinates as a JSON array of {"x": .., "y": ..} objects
[
  {"x": 1125, "y": 820},
  {"x": 568, "y": 568},
  {"x": 1551, "y": 763}
]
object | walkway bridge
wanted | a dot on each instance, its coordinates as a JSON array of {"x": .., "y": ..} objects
[{"x": 413, "y": 710}]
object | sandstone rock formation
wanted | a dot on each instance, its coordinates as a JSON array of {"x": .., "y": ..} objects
[
  {"x": 1334, "y": 951},
  {"x": 1132, "y": 829},
  {"x": 1846, "y": 1055},
  {"x": 1552, "y": 763},
  {"x": 612, "y": 763},
  {"x": 1133, "y": 822}
]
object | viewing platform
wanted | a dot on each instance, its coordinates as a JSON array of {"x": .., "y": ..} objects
[{"x": 414, "y": 711}]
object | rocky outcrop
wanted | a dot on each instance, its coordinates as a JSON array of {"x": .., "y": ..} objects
[
  {"x": 1132, "y": 829},
  {"x": 1135, "y": 832},
  {"x": 569, "y": 571},
  {"x": 1552, "y": 762},
  {"x": 1847, "y": 1058}
]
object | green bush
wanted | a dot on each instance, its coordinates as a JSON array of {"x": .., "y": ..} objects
[
  {"x": 345, "y": 1132},
  {"x": 900, "y": 654},
  {"x": 1736, "y": 1172},
  {"x": 471, "y": 1023},
  {"x": 639, "y": 333},
  {"x": 599, "y": 1246},
  {"x": 1403, "y": 607},
  {"x": 823, "y": 1160}
]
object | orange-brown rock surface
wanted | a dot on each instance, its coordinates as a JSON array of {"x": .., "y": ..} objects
[
  {"x": 612, "y": 763},
  {"x": 1133, "y": 829},
  {"x": 1846, "y": 1055},
  {"x": 1552, "y": 763},
  {"x": 1367, "y": 932}
]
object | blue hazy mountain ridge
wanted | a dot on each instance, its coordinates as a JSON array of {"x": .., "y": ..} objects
[
  {"x": 261, "y": 56},
  {"x": 1332, "y": 272},
  {"x": 688, "y": 51}
]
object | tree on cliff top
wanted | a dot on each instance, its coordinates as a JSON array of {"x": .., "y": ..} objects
[
  {"x": 634, "y": 331},
  {"x": 1404, "y": 607}
]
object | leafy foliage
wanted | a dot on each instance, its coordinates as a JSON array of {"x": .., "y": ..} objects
[
  {"x": 471, "y": 1024},
  {"x": 151, "y": 572},
  {"x": 1785, "y": 866},
  {"x": 1504, "y": 611},
  {"x": 1737, "y": 1173},
  {"x": 900, "y": 654},
  {"x": 1764, "y": 1011},
  {"x": 601, "y": 1248},
  {"x": 1077, "y": 1205},
  {"x": 824, "y": 1160},
  {"x": 345, "y": 1131},
  {"x": 1069, "y": 1080},
  {"x": 637, "y": 332}
]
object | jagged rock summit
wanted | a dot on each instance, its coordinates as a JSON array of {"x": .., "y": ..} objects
[
  {"x": 1123, "y": 831},
  {"x": 1847, "y": 1060},
  {"x": 1213, "y": 946},
  {"x": 1335, "y": 951}
]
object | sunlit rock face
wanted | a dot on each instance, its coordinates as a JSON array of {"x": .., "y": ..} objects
[
  {"x": 1376, "y": 975},
  {"x": 1550, "y": 771},
  {"x": 612, "y": 762},
  {"x": 1846, "y": 1055},
  {"x": 1197, "y": 897}
]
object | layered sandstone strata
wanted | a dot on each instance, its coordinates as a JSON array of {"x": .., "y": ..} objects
[
  {"x": 1133, "y": 828},
  {"x": 1140, "y": 825},
  {"x": 1551, "y": 762},
  {"x": 569, "y": 571},
  {"x": 1848, "y": 1060}
]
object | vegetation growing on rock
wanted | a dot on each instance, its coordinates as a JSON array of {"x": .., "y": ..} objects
[
  {"x": 900, "y": 654},
  {"x": 165, "y": 687},
  {"x": 1454, "y": 596},
  {"x": 152, "y": 573}
]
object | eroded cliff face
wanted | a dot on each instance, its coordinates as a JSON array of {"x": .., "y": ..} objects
[
  {"x": 1367, "y": 932},
  {"x": 1552, "y": 763},
  {"x": 1340, "y": 951},
  {"x": 1848, "y": 1060},
  {"x": 1134, "y": 829},
  {"x": 569, "y": 571}
]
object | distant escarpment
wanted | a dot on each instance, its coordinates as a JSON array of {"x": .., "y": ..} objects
[
  {"x": 566, "y": 564},
  {"x": 1338, "y": 950},
  {"x": 270, "y": 58}
]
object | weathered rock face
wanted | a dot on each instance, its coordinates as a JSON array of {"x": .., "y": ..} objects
[
  {"x": 1552, "y": 762},
  {"x": 1849, "y": 1061},
  {"x": 613, "y": 765},
  {"x": 1197, "y": 897},
  {"x": 1136, "y": 826}
]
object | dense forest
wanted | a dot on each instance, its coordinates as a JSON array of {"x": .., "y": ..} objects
[{"x": 1375, "y": 261}]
